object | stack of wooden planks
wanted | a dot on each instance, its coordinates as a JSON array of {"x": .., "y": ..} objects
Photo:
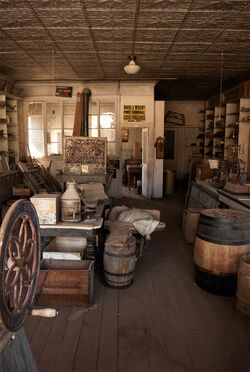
[{"x": 37, "y": 177}]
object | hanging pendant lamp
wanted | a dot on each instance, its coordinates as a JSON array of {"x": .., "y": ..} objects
[{"x": 132, "y": 67}]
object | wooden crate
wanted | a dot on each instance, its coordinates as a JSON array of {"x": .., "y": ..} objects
[
  {"x": 189, "y": 223},
  {"x": 65, "y": 282},
  {"x": 66, "y": 248}
]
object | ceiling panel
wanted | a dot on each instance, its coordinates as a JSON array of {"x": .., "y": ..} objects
[
  {"x": 162, "y": 19},
  {"x": 112, "y": 18},
  {"x": 93, "y": 38},
  {"x": 219, "y": 5}
]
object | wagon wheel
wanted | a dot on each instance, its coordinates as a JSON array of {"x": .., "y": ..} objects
[{"x": 19, "y": 263}]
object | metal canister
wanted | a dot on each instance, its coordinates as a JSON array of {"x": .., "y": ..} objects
[{"x": 71, "y": 203}]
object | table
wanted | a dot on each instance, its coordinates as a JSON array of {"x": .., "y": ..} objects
[
  {"x": 81, "y": 229},
  {"x": 133, "y": 171}
]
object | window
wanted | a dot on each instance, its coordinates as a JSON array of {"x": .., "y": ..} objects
[
  {"x": 36, "y": 129},
  {"x": 54, "y": 128},
  {"x": 49, "y": 121},
  {"x": 102, "y": 122}
]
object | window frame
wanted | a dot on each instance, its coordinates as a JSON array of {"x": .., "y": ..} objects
[{"x": 51, "y": 99}]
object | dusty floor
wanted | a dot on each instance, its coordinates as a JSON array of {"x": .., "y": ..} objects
[{"x": 162, "y": 322}]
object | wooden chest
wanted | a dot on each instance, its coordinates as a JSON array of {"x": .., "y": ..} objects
[{"x": 65, "y": 282}]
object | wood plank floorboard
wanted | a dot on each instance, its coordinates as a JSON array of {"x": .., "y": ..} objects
[{"x": 162, "y": 322}]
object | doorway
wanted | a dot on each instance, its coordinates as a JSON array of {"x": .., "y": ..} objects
[
  {"x": 133, "y": 172},
  {"x": 173, "y": 156}
]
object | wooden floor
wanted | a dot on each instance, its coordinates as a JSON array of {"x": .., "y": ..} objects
[{"x": 163, "y": 322}]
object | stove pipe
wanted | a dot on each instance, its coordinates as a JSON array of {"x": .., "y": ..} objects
[{"x": 85, "y": 113}]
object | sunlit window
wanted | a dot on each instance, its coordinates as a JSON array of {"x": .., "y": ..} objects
[{"x": 48, "y": 122}]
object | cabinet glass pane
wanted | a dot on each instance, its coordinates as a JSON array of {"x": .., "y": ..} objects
[
  {"x": 35, "y": 122},
  {"x": 53, "y": 109},
  {"x": 35, "y": 109},
  {"x": 54, "y": 135},
  {"x": 54, "y": 122},
  {"x": 54, "y": 149},
  {"x": 69, "y": 121},
  {"x": 69, "y": 109},
  {"x": 109, "y": 133},
  {"x": 35, "y": 136},
  {"x": 36, "y": 149}
]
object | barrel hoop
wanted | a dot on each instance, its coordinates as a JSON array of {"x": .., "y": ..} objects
[
  {"x": 230, "y": 225},
  {"x": 242, "y": 300},
  {"x": 114, "y": 274},
  {"x": 221, "y": 242},
  {"x": 120, "y": 255},
  {"x": 118, "y": 284}
]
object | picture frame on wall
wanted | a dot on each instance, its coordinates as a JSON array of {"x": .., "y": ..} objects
[{"x": 125, "y": 134}]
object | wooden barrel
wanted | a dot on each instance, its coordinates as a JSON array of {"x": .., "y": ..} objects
[
  {"x": 223, "y": 236},
  {"x": 119, "y": 263},
  {"x": 243, "y": 285}
]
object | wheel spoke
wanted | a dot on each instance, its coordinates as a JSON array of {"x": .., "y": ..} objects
[
  {"x": 14, "y": 282},
  {"x": 32, "y": 243},
  {"x": 25, "y": 230},
  {"x": 17, "y": 243}
]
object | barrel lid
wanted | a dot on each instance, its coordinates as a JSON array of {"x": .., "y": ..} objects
[{"x": 222, "y": 214}]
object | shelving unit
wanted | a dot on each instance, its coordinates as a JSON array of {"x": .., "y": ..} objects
[
  {"x": 244, "y": 130},
  {"x": 231, "y": 129},
  {"x": 209, "y": 130},
  {"x": 219, "y": 132},
  {"x": 9, "y": 143}
]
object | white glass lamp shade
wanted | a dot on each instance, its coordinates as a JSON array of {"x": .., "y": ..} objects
[{"x": 132, "y": 67}]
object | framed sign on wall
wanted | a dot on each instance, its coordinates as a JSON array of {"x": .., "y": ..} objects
[{"x": 134, "y": 113}]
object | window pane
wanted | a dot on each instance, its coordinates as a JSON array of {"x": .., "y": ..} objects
[
  {"x": 107, "y": 121},
  {"x": 107, "y": 108},
  {"x": 109, "y": 133},
  {"x": 35, "y": 109},
  {"x": 54, "y": 148},
  {"x": 36, "y": 149},
  {"x": 93, "y": 132},
  {"x": 69, "y": 121},
  {"x": 69, "y": 109},
  {"x": 35, "y": 122},
  {"x": 68, "y": 132},
  {"x": 93, "y": 107},
  {"x": 54, "y": 122},
  {"x": 93, "y": 121},
  {"x": 54, "y": 135},
  {"x": 53, "y": 109},
  {"x": 35, "y": 136}
]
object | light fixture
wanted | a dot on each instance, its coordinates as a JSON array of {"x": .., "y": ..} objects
[{"x": 132, "y": 67}]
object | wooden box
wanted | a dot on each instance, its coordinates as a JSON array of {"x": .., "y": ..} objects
[
  {"x": 189, "y": 223},
  {"x": 66, "y": 248},
  {"x": 65, "y": 282},
  {"x": 47, "y": 207}
]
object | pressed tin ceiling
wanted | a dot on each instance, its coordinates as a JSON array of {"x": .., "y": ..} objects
[{"x": 92, "y": 39}]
